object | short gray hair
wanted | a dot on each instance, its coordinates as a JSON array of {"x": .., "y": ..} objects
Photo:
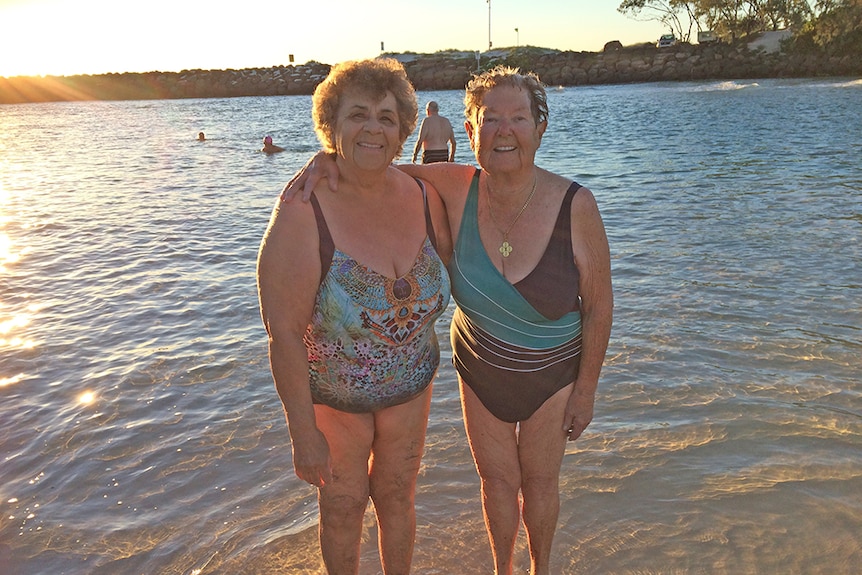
[{"x": 483, "y": 83}]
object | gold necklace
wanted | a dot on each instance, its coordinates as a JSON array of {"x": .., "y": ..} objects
[{"x": 506, "y": 248}]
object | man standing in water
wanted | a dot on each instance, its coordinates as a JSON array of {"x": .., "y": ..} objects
[{"x": 434, "y": 134}]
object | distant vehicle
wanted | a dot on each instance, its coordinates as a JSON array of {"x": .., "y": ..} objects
[
  {"x": 666, "y": 40},
  {"x": 706, "y": 37}
]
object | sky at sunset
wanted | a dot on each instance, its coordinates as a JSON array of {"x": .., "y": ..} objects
[{"x": 67, "y": 37}]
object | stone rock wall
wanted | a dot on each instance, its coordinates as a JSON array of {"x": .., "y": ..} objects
[
  {"x": 447, "y": 71},
  {"x": 278, "y": 81}
]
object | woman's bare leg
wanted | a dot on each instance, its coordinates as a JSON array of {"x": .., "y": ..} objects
[
  {"x": 343, "y": 501},
  {"x": 395, "y": 458},
  {"x": 541, "y": 445},
  {"x": 495, "y": 452}
]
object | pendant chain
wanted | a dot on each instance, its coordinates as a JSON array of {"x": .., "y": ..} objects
[{"x": 506, "y": 248}]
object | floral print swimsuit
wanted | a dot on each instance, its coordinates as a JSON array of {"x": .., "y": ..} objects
[{"x": 371, "y": 342}]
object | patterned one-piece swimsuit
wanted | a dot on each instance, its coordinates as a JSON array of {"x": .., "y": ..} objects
[{"x": 371, "y": 342}]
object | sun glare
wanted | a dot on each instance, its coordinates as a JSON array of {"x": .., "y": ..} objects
[
  {"x": 64, "y": 37},
  {"x": 87, "y": 398},
  {"x": 10, "y": 325},
  {"x": 7, "y": 256},
  {"x": 12, "y": 380}
]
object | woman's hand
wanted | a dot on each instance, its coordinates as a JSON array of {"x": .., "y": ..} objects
[
  {"x": 579, "y": 413},
  {"x": 311, "y": 459},
  {"x": 321, "y": 166}
]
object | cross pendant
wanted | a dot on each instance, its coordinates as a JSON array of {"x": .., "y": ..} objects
[{"x": 505, "y": 248}]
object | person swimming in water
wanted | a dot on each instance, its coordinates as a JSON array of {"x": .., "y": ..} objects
[{"x": 269, "y": 147}]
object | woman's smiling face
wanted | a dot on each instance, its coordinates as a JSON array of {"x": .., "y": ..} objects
[
  {"x": 367, "y": 130},
  {"x": 505, "y": 135}
]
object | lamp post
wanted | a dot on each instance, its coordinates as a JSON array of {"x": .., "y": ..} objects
[
  {"x": 517, "y": 38},
  {"x": 489, "y": 25}
]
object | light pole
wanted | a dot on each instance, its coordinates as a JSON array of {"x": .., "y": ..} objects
[
  {"x": 489, "y": 25},
  {"x": 517, "y": 38}
]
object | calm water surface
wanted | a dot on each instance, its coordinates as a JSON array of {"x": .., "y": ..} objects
[{"x": 141, "y": 432}]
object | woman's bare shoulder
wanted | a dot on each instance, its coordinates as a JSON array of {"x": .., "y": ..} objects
[
  {"x": 584, "y": 201},
  {"x": 289, "y": 219},
  {"x": 584, "y": 205}
]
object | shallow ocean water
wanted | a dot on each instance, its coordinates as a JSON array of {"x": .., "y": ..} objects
[{"x": 141, "y": 432}]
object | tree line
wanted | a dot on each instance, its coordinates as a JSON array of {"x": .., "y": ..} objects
[{"x": 832, "y": 26}]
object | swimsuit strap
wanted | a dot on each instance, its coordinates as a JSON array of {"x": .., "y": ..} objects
[
  {"x": 429, "y": 225},
  {"x": 326, "y": 247},
  {"x": 552, "y": 286}
]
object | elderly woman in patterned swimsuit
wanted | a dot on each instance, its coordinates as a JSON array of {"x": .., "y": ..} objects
[{"x": 350, "y": 286}]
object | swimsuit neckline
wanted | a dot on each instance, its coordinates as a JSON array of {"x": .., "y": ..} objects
[{"x": 372, "y": 271}]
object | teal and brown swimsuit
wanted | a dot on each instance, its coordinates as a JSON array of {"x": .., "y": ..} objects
[
  {"x": 371, "y": 342},
  {"x": 515, "y": 345}
]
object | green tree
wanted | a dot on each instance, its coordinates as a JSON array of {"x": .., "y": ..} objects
[
  {"x": 728, "y": 19},
  {"x": 837, "y": 28},
  {"x": 721, "y": 16},
  {"x": 677, "y": 15},
  {"x": 780, "y": 14}
]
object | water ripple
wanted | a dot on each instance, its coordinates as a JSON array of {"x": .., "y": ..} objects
[{"x": 142, "y": 432}]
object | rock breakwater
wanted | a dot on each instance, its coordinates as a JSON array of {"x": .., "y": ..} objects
[{"x": 447, "y": 71}]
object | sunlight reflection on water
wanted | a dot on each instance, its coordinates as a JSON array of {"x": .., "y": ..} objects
[{"x": 141, "y": 432}]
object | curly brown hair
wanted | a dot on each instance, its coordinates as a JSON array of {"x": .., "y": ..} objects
[
  {"x": 374, "y": 78},
  {"x": 483, "y": 83}
]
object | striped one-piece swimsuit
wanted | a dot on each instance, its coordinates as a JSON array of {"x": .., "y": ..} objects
[{"x": 515, "y": 345}]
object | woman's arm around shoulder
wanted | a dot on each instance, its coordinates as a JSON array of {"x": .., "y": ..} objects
[
  {"x": 451, "y": 180},
  {"x": 440, "y": 222},
  {"x": 452, "y": 183}
]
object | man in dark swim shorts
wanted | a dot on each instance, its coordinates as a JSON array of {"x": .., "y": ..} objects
[{"x": 434, "y": 135}]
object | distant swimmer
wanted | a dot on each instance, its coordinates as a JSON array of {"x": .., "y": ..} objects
[
  {"x": 269, "y": 147},
  {"x": 434, "y": 135},
  {"x": 201, "y": 137}
]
